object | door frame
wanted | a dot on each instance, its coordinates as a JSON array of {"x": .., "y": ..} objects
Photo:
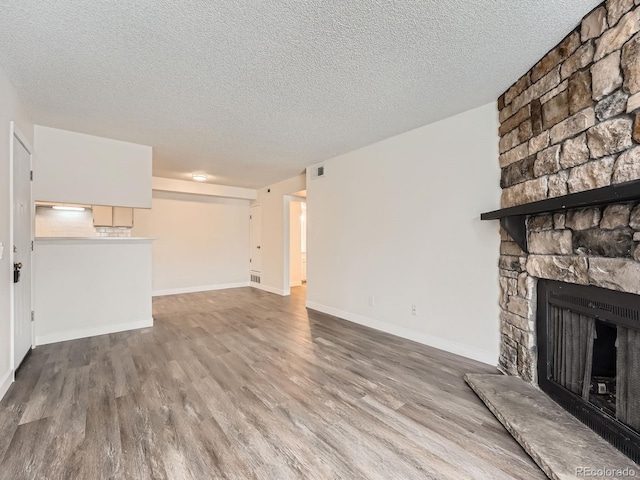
[
  {"x": 286, "y": 234},
  {"x": 15, "y": 134}
]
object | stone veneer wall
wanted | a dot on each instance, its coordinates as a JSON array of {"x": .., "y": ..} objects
[{"x": 570, "y": 124}]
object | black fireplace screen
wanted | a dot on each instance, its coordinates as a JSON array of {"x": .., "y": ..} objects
[
  {"x": 598, "y": 361},
  {"x": 573, "y": 336},
  {"x": 589, "y": 358},
  {"x": 628, "y": 378}
]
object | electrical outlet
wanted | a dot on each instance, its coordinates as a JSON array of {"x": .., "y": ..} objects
[
  {"x": 414, "y": 310},
  {"x": 372, "y": 301}
]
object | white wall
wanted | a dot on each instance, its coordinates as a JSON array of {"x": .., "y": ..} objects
[
  {"x": 202, "y": 242},
  {"x": 12, "y": 110},
  {"x": 399, "y": 220},
  {"x": 86, "y": 287},
  {"x": 72, "y": 167},
  {"x": 295, "y": 244},
  {"x": 275, "y": 233}
]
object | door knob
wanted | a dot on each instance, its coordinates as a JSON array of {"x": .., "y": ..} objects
[{"x": 16, "y": 272}]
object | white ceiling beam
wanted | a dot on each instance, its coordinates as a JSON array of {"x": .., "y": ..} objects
[{"x": 183, "y": 186}]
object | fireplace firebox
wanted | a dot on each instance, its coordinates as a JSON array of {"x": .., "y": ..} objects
[{"x": 589, "y": 358}]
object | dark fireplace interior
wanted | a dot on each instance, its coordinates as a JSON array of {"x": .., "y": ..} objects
[
  {"x": 602, "y": 388},
  {"x": 589, "y": 358}
]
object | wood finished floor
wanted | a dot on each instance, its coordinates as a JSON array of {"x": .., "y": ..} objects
[{"x": 243, "y": 384}]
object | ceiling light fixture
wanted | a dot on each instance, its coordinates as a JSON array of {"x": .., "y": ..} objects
[
  {"x": 70, "y": 209},
  {"x": 199, "y": 177}
]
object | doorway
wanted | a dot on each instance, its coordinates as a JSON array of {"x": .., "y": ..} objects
[
  {"x": 297, "y": 243},
  {"x": 295, "y": 255},
  {"x": 22, "y": 218}
]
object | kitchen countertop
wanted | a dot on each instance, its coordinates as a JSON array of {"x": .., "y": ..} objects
[{"x": 90, "y": 240}]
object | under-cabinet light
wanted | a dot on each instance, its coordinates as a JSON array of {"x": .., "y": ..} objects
[
  {"x": 70, "y": 209},
  {"x": 200, "y": 177}
]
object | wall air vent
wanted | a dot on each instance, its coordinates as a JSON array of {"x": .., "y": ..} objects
[
  {"x": 255, "y": 278},
  {"x": 317, "y": 172}
]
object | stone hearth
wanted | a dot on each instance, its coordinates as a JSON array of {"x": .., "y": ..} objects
[{"x": 542, "y": 427}]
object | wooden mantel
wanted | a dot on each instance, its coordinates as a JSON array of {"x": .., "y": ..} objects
[{"x": 514, "y": 219}]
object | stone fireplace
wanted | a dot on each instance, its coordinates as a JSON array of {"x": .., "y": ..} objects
[
  {"x": 590, "y": 246},
  {"x": 571, "y": 124}
]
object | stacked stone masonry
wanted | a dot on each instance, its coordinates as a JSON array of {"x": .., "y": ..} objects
[{"x": 570, "y": 124}]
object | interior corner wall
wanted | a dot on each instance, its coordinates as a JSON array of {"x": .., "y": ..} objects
[
  {"x": 275, "y": 232},
  {"x": 399, "y": 221},
  {"x": 12, "y": 110},
  {"x": 202, "y": 242}
]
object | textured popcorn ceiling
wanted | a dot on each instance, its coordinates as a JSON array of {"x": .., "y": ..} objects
[{"x": 253, "y": 91}]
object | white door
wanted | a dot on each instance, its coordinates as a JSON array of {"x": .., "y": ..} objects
[
  {"x": 22, "y": 221},
  {"x": 256, "y": 238}
]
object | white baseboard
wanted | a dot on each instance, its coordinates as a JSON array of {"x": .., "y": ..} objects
[
  {"x": 204, "y": 288},
  {"x": 6, "y": 382},
  {"x": 259, "y": 286},
  {"x": 91, "y": 332},
  {"x": 436, "y": 342},
  {"x": 296, "y": 284}
]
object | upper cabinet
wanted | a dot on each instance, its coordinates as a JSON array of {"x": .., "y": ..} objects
[
  {"x": 73, "y": 167},
  {"x": 122, "y": 217},
  {"x": 112, "y": 216},
  {"x": 102, "y": 216}
]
